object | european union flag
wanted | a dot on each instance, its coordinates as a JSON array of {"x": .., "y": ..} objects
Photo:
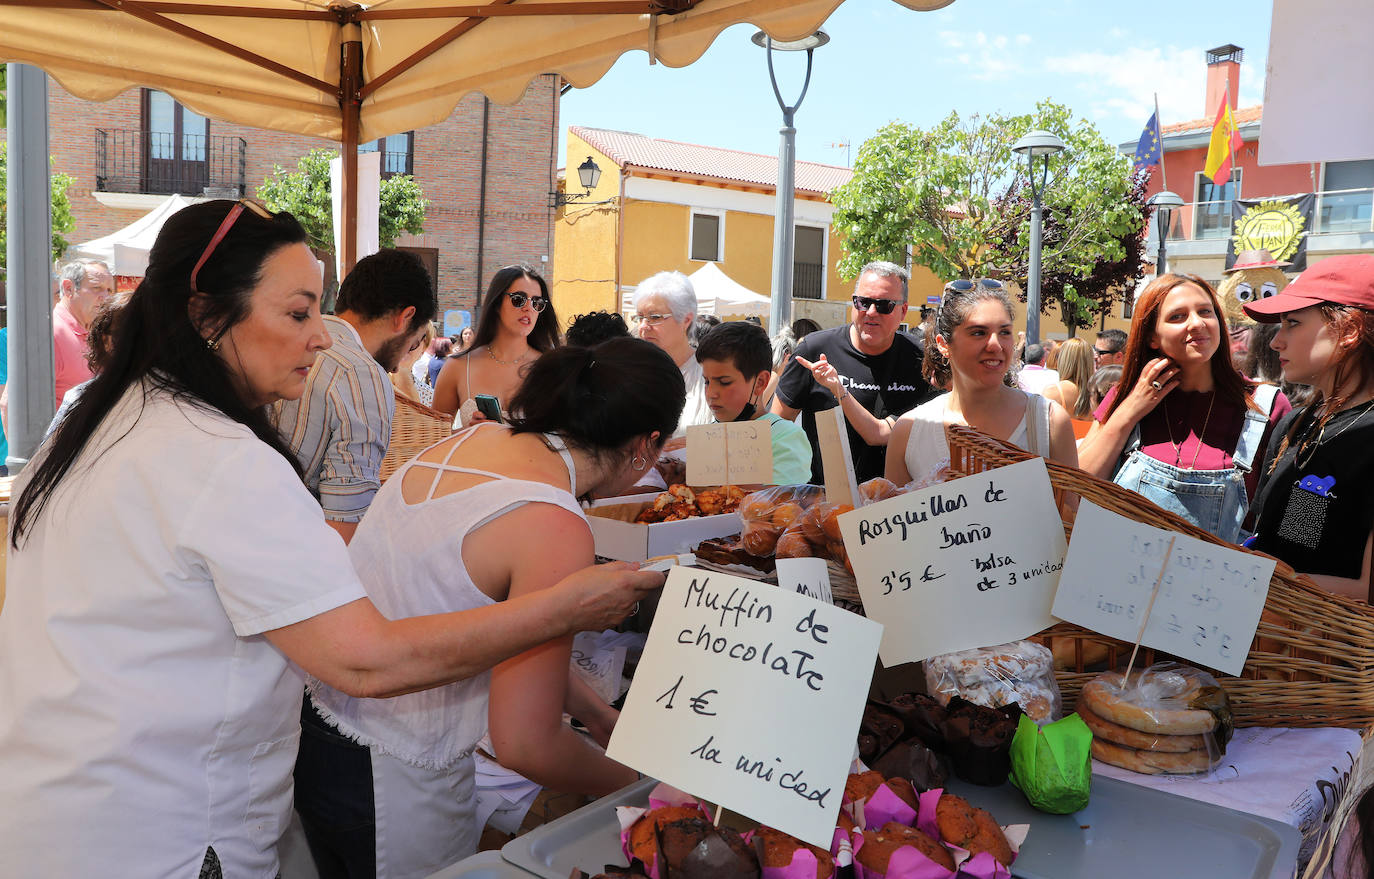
[{"x": 1147, "y": 151}]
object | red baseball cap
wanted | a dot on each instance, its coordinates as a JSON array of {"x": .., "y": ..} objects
[{"x": 1343, "y": 280}]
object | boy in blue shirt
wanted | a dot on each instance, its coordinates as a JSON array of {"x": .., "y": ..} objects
[{"x": 737, "y": 363}]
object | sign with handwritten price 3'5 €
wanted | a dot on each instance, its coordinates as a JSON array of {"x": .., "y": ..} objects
[
  {"x": 963, "y": 564},
  {"x": 1210, "y": 597},
  {"x": 750, "y": 696}
]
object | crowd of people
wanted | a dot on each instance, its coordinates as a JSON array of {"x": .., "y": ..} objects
[{"x": 218, "y": 459}]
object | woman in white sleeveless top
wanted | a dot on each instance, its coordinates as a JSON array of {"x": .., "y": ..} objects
[
  {"x": 518, "y": 324},
  {"x": 972, "y": 355},
  {"x": 488, "y": 515}
]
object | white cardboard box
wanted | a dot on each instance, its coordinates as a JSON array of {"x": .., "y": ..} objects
[{"x": 631, "y": 542}]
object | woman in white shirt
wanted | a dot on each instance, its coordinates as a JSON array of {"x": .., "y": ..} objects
[
  {"x": 972, "y": 356},
  {"x": 170, "y": 577}
]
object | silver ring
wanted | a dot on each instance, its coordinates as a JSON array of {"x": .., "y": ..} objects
[{"x": 1157, "y": 386}]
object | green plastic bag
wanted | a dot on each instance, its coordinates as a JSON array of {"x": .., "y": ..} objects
[{"x": 1053, "y": 766}]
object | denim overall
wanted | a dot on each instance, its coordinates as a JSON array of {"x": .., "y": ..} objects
[{"x": 1214, "y": 500}]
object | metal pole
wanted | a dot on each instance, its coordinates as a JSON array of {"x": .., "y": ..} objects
[
  {"x": 1033, "y": 281},
  {"x": 784, "y": 229},
  {"x": 1162, "y": 218},
  {"x": 28, "y": 283},
  {"x": 784, "y": 232}
]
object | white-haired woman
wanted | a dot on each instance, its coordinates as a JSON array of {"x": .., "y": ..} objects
[{"x": 665, "y": 306}]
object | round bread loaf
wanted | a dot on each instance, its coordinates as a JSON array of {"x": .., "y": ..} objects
[
  {"x": 1123, "y": 735},
  {"x": 1152, "y": 762},
  {"x": 1159, "y": 707}
]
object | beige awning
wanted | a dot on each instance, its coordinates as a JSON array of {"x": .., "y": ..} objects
[
  {"x": 354, "y": 72},
  {"x": 276, "y": 63}
]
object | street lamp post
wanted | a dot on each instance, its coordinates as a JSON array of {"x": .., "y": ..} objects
[
  {"x": 784, "y": 235},
  {"x": 1164, "y": 203},
  {"x": 1036, "y": 144}
]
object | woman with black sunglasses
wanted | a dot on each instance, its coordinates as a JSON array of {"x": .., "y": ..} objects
[
  {"x": 517, "y": 324},
  {"x": 171, "y": 581}
]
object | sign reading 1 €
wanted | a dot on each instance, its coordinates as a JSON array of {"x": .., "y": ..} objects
[
  {"x": 963, "y": 564},
  {"x": 750, "y": 696}
]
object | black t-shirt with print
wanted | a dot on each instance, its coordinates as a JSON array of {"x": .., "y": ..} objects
[
  {"x": 1315, "y": 534},
  {"x": 886, "y": 384}
]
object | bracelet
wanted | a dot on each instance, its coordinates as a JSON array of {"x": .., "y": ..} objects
[{"x": 846, "y": 394}]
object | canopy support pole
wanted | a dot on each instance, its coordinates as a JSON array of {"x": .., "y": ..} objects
[
  {"x": 28, "y": 282},
  {"x": 350, "y": 103}
]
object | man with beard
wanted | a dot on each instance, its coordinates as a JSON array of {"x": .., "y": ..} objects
[{"x": 341, "y": 426}]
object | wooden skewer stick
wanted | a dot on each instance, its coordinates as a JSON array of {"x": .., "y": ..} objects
[
  {"x": 1168, "y": 554},
  {"x": 719, "y": 809}
]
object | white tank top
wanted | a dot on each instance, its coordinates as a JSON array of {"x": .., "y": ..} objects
[{"x": 409, "y": 557}]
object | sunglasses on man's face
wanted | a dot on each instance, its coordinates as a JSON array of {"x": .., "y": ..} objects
[
  {"x": 1100, "y": 353},
  {"x": 884, "y": 306},
  {"x": 518, "y": 299}
]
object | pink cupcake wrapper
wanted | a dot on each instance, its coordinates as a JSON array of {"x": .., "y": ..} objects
[{"x": 885, "y": 806}]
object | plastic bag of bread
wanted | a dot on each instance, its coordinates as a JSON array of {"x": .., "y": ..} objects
[
  {"x": 766, "y": 514},
  {"x": 1168, "y": 719},
  {"x": 1020, "y": 672}
]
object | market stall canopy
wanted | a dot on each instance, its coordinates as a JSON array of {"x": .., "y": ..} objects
[
  {"x": 722, "y": 295},
  {"x": 717, "y": 294},
  {"x": 126, "y": 251},
  {"x": 279, "y": 64}
]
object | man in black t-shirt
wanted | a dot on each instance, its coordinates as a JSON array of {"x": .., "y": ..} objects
[{"x": 871, "y": 369}]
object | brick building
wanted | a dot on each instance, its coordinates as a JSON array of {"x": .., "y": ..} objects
[{"x": 486, "y": 171}]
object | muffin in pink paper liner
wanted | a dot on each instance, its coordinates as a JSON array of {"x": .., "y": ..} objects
[
  {"x": 782, "y": 856},
  {"x": 639, "y": 827},
  {"x": 885, "y": 805},
  {"x": 984, "y": 849},
  {"x": 896, "y": 851}
]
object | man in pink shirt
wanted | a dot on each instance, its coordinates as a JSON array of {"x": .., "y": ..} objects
[{"x": 84, "y": 284}]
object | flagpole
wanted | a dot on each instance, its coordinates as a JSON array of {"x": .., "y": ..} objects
[
  {"x": 1230, "y": 139},
  {"x": 1159, "y": 133}
]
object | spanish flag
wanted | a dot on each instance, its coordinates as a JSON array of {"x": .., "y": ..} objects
[{"x": 1226, "y": 140}]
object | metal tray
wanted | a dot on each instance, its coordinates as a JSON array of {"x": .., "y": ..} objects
[
  {"x": 1126, "y": 832},
  {"x": 483, "y": 865}
]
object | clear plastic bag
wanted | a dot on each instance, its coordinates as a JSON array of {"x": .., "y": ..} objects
[
  {"x": 1169, "y": 719},
  {"x": 1020, "y": 672}
]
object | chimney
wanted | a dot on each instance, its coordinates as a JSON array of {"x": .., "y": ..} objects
[{"x": 1223, "y": 66}]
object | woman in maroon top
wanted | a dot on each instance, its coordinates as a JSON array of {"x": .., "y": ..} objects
[{"x": 1182, "y": 427}]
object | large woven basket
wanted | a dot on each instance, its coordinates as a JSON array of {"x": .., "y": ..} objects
[
  {"x": 415, "y": 428},
  {"x": 1312, "y": 660}
]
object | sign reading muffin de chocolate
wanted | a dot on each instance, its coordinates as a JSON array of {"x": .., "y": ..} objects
[
  {"x": 960, "y": 564},
  {"x": 750, "y": 696}
]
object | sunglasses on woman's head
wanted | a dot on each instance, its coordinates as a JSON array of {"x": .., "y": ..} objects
[
  {"x": 518, "y": 299},
  {"x": 963, "y": 285},
  {"x": 884, "y": 306},
  {"x": 223, "y": 230}
]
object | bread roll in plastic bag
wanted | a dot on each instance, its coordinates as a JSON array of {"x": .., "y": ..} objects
[{"x": 1020, "y": 672}]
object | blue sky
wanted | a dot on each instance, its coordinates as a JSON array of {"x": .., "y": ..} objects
[{"x": 1102, "y": 58}]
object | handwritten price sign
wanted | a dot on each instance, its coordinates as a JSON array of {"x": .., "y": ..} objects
[
  {"x": 750, "y": 696},
  {"x": 963, "y": 564},
  {"x": 738, "y": 453},
  {"x": 1210, "y": 597}
]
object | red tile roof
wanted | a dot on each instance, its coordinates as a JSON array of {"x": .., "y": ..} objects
[
  {"x": 1242, "y": 116},
  {"x": 672, "y": 156}
]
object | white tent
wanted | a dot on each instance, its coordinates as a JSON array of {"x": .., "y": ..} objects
[
  {"x": 126, "y": 251},
  {"x": 717, "y": 294}
]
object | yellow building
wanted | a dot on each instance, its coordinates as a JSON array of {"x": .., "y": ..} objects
[{"x": 661, "y": 205}]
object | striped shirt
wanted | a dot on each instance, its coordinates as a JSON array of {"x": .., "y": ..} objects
[{"x": 340, "y": 427}]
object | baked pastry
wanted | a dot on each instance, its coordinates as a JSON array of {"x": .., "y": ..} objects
[
  {"x": 644, "y": 832},
  {"x": 913, "y": 762},
  {"x": 861, "y": 785},
  {"x": 732, "y": 551},
  {"x": 1021, "y": 672},
  {"x": 1153, "y": 762},
  {"x": 777, "y": 849},
  {"x": 978, "y": 740},
  {"x": 971, "y": 828},
  {"x": 1104, "y": 730},
  {"x": 1165, "y": 699},
  {"x": 880, "y": 845}
]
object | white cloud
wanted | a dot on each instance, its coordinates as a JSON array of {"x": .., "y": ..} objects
[
  {"x": 1023, "y": 39},
  {"x": 951, "y": 39},
  {"x": 983, "y": 53},
  {"x": 1124, "y": 83}
]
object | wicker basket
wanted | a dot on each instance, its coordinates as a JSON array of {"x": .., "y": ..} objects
[
  {"x": 1312, "y": 660},
  {"x": 415, "y": 428}
]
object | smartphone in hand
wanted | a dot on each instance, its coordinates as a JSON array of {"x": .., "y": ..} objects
[{"x": 489, "y": 406}]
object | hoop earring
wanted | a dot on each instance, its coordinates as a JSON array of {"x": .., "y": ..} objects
[{"x": 639, "y": 463}]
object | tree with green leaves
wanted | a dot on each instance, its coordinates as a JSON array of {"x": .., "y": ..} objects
[
  {"x": 305, "y": 192},
  {"x": 62, "y": 220},
  {"x": 958, "y": 196}
]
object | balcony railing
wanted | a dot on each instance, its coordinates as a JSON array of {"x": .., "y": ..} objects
[
  {"x": 155, "y": 163},
  {"x": 1337, "y": 211},
  {"x": 807, "y": 280}
]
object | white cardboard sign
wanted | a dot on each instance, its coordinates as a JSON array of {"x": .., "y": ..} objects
[
  {"x": 1210, "y": 597},
  {"x": 736, "y": 453},
  {"x": 832, "y": 435},
  {"x": 750, "y": 697},
  {"x": 962, "y": 564},
  {"x": 809, "y": 577}
]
